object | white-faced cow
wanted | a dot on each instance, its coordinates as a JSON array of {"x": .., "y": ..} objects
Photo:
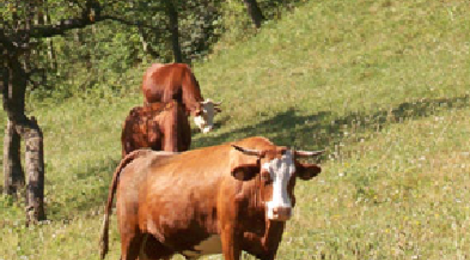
[
  {"x": 220, "y": 199},
  {"x": 176, "y": 81}
]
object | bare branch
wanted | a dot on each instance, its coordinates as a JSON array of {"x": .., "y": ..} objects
[
  {"x": 91, "y": 14},
  {"x": 45, "y": 31},
  {"x": 131, "y": 23}
]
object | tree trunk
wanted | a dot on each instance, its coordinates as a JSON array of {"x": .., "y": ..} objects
[
  {"x": 28, "y": 129},
  {"x": 34, "y": 161},
  {"x": 13, "y": 172},
  {"x": 255, "y": 12},
  {"x": 173, "y": 22}
]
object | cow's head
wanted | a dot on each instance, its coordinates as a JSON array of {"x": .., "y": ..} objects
[
  {"x": 204, "y": 116},
  {"x": 277, "y": 170}
]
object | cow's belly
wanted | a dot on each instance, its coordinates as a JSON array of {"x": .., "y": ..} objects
[{"x": 211, "y": 245}]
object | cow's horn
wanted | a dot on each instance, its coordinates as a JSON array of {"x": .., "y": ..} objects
[
  {"x": 217, "y": 103},
  {"x": 308, "y": 153},
  {"x": 248, "y": 151}
]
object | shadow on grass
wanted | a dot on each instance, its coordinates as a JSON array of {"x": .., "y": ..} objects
[{"x": 324, "y": 130}]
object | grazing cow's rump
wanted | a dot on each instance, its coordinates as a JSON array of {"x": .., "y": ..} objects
[
  {"x": 220, "y": 199},
  {"x": 158, "y": 126},
  {"x": 176, "y": 81}
]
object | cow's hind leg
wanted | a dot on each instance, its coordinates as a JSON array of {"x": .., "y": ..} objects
[
  {"x": 152, "y": 249},
  {"x": 130, "y": 246},
  {"x": 169, "y": 128}
]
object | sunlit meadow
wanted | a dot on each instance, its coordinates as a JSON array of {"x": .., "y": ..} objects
[{"x": 382, "y": 85}]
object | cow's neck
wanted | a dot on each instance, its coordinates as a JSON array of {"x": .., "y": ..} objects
[
  {"x": 192, "y": 96},
  {"x": 192, "y": 103}
]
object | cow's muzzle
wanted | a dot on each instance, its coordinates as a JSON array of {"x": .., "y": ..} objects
[
  {"x": 206, "y": 129},
  {"x": 280, "y": 213}
]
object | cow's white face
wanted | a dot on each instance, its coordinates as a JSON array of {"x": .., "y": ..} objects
[
  {"x": 205, "y": 120},
  {"x": 278, "y": 174},
  {"x": 280, "y": 171}
]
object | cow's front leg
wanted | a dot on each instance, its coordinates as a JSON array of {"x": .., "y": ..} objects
[
  {"x": 230, "y": 242},
  {"x": 264, "y": 247},
  {"x": 228, "y": 209},
  {"x": 256, "y": 245}
]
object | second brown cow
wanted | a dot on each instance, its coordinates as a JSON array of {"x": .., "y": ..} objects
[{"x": 162, "y": 127}]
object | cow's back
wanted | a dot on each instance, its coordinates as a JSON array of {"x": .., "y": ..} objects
[{"x": 163, "y": 82}]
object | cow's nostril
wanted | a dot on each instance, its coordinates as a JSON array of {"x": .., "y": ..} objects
[
  {"x": 283, "y": 211},
  {"x": 280, "y": 213}
]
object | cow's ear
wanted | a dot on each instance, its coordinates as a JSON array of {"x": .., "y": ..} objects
[
  {"x": 243, "y": 165},
  {"x": 245, "y": 172},
  {"x": 306, "y": 171}
]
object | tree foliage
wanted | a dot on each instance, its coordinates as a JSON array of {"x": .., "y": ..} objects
[{"x": 97, "y": 55}]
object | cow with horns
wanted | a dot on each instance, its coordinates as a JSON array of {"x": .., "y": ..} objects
[{"x": 220, "y": 199}]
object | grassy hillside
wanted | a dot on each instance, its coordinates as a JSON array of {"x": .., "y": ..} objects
[{"x": 382, "y": 85}]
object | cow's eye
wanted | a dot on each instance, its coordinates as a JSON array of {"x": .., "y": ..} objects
[{"x": 265, "y": 177}]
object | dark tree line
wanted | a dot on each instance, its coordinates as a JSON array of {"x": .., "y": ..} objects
[{"x": 27, "y": 31}]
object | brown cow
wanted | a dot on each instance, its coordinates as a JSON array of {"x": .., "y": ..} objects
[
  {"x": 176, "y": 81},
  {"x": 158, "y": 126},
  {"x": 220, "y": 199}
]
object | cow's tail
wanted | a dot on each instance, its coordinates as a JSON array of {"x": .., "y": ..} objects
[{"x": 104, "y": 239}]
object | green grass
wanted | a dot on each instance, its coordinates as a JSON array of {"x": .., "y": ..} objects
[{"x": 382, "y": 85}]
